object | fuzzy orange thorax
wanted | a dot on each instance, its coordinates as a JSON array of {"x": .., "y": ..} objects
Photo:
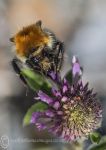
[{"x": 28, "y": 38}]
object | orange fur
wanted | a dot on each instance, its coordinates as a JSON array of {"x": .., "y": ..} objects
[{"x": 28, "y": 38}]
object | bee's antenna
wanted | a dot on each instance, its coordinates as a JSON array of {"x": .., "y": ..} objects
[
  {"x": 39, "y": 23},
  {"x": 12, "y": 39}
]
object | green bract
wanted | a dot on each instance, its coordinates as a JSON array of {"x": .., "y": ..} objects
[
  {"x": 35, "y": 81},
  {"x": 39, "y": 106}
]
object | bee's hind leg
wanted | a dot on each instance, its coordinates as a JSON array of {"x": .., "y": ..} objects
[
  {"x": 15, "y": 64},
  {"x": 59, "y": 58}
]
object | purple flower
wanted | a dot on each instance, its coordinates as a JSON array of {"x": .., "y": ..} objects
[{"x": 73, "y": 110}]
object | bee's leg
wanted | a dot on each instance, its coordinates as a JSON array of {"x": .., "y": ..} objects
[
  {"x": 18, "y": 70},
  {"x": 29, "y": 64},
  {"x": 32, "y": 63},
  {"x": 59, "y": 58}
]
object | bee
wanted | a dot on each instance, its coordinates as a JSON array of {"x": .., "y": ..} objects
[{"x": 37, "y": 48}]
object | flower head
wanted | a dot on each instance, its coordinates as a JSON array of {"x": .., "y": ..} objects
[{"x": 73, "y": 110}]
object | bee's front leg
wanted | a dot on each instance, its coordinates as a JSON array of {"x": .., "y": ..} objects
[{"x": 15, "y": 63}]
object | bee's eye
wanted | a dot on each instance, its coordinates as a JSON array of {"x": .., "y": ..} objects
[{"x": 33, "y": 49}]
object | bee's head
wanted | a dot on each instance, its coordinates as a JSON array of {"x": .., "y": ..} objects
[{"x": 29, "y": 38}]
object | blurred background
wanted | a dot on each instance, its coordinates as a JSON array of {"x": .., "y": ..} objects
[{"x": 81, "y": 25}]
